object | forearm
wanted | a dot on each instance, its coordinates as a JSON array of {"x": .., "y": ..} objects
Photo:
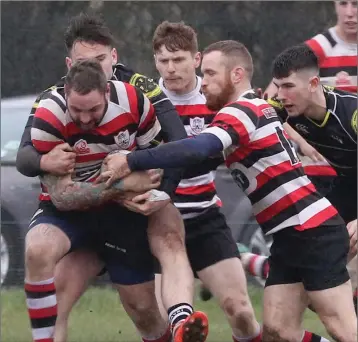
[
  {"x": 210, "y": 164},
  {"x": 177, "y": 154},
  {"x": 69, "y": 195},
  {"x": 173, "y": 130},
  {"x": 28, "y": 159}
]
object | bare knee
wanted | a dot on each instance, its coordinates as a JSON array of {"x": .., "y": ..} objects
[
  {"x": 240, "y": 311},
  {"x": 44, "y": 247}
]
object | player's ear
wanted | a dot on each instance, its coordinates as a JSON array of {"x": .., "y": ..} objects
[
  {"x": 114, "y": 55},
  {"x": 197, "y": 59},
  {"x": 237, "y": 74},
  {"x": 68, "y": 62},
  {"x": 314, "y": 83}
]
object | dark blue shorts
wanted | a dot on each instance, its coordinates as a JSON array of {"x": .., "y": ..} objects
[{"x": 117, "y": 235}]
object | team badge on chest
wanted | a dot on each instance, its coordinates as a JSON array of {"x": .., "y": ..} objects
[
  {"x": 123, "y": 139},
  {"x": 197, "y": 124}
]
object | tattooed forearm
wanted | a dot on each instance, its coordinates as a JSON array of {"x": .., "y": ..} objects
[{"x": 69, "y": 195}]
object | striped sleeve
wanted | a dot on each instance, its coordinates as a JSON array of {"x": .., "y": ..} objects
[
  {"x": 49, "y": 122},
  {"x": 233, "y": 124},
  {"x": 319, "y": 45},
  {"x": 149, "y": 128}
]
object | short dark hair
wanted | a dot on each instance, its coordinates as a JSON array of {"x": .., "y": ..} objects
[
  {"x": 90, "y": 28},
  {"x": 175, "y": 36},
  {"x": 294, "y": 59},
  {"x": 233, "y": 49},
  {"x": 85, "y": 76}
]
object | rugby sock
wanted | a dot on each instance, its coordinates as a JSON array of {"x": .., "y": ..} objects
[
  {"x": 179, "y": 312},
  {"x": 310, "y": 337},
  {"x": 166, "y": 337},
  {"x": 256, "y": 265},
  {"x": 42, "y": 307}
]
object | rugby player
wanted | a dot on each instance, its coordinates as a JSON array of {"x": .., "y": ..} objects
[
  {"x": 87, "y": 36},
  {"x": 265, "y": 165},
  {"x": 212, "y": 251}
]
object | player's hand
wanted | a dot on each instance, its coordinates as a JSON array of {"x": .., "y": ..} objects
[
  {"x": 147, "y": 203},
  {"x": 311, "y": 152},
  {"x": 352, "y": 231},
  {"x": 260, "y": 93},
  {"x": 141, "y": 181},
  {"x": 116, "y": 168},
  {"x": 59, "y": 161}
]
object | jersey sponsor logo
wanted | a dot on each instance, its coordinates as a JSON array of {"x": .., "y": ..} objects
[
  {"x": 354, "y": 121},
  {"x": 146, "y": 85},
  {"x": 197, "y": 124},
  {"x": 343, "y": 78},
  {"x": 269, "y": 112},
  {"x": 123, "y": 139},
  {"x": 81, "y": 147},
  {"x": 302, "y": 128},
  {"x": 337, "y": 138}
]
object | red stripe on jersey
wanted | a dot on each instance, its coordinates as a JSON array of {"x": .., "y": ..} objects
[
  {"x": 351, "y": 88},
  {"x": 49, "y": 117},
  {"x": 339, "y": 61},
  {"x": 284, "y": 203},
  {"x": 45, "y": 146},
  {"x": 115, "y": 125},
  {"x": 318, "y": 219},
  {"x": 319, "y": 170},
  {"x": 196, "y": 189},
  {"x": 40, "y": 288},
  {"x": 72, "y": 129},
  {"x": 44, "y": 312},
  {"x": 274, "y": 171},
  {"x": 317, "y": 49},
  {"x": 265, "y": 142},
  {"x": 238, "y": 155},
  {"x": 45, "y": 340},
  {"x": 90, "y": 157},
  {"x": 133, "y": 101},
  {"x": 235, "y": 123},
  {"x": 193, "y": 110},
  {"x": 44, "y": 197},
  {"x": 256, "y": 109}
]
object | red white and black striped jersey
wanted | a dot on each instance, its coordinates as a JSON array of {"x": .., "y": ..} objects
[
  {"x": 193, "y": 196},
  {"x": 129, "y": 123},
  {"x": 265, "y": 165},
  {"x": 337, "y": 60}
]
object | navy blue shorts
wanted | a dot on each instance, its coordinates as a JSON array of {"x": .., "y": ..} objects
[{"x": 117, "y": 235}]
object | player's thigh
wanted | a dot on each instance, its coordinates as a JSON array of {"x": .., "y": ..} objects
[
  {"x": 209, "y": 241},
  {"x": 124, "y": 247},
  {"x": 352, "y": 270},
  {"x": 283, "y": 308}
]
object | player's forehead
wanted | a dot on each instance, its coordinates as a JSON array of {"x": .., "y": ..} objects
[
  {"x": 164, "y": 53},
  {"x": 213, "y": 60},
  {"x": 84, "y": 50},
  {"x": 293, "y": 77}
]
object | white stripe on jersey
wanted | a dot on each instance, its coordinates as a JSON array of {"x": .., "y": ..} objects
[
  {"x": 279, "y": 193},
  {"x": 221, "y": 134},
  {"x": 241, "y": 116},
  {"x": 144, "y": 140},
  {"x": 265, "y": 131},
  {"x": 303, "y": 216},
  {"x": 146, "y": 109},
  {"x": 53, "y": 107},
  {"x": 114, "y": 111},
  {"x": 332, "y": 81},
  {"x": 324, "y": 43},
  {"x": 200, "y": 180},
  {"x": 38, "y": 134},
  {"x": 123, "y": 99}
]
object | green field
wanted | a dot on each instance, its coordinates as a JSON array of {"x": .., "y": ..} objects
[{"x": 99, "y": 317}]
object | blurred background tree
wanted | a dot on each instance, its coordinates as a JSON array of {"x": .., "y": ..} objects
[{"x": 32, "y": 33}]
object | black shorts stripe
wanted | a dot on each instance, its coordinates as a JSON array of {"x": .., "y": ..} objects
[
  {"x": 333, "y": 71},
  {"x": 208, "y": 118},
  {"x": 290, "y": 211},
  {"x": 37, "y": 323},
  {"x": 46, "y": 127},
  {"x": 206, "y": 196},
  {"x": 36, "y": 295},
  {"x": 273, "y": 183}
]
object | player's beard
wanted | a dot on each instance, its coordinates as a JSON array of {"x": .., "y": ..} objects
[{"x": 216, "y": 102}]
